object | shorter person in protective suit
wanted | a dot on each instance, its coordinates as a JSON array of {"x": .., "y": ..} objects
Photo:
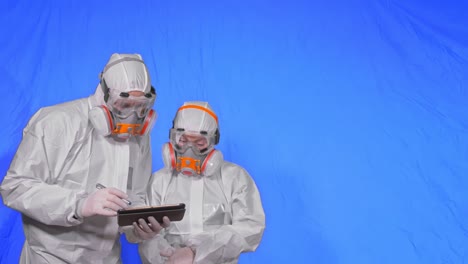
[{"x": 224, "y": 214}]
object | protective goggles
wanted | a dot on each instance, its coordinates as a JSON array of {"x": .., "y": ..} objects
[
  {"x": 123, "y": 104},
  {"x": 200, "y": 142}
]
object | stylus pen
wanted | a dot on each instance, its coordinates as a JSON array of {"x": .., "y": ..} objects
[{"x": 100, "y": 186}]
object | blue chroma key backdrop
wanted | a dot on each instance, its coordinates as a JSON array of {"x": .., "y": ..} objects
[{"x": 351, "y": 116}]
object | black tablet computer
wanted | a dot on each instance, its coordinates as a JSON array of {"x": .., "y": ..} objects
[{"x": 126, "y": 217}]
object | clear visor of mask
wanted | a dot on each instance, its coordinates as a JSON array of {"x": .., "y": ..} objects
[
  {"x": 201, "y": 142},
  {"x": 123, "y": 105}
]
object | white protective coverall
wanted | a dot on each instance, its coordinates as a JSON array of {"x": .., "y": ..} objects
[
  {"x": 224, "y": 214},
  {"x": 60, "y": 160}
]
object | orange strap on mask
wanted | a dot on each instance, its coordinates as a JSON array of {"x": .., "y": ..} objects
[{"x": 200, "y": 108}]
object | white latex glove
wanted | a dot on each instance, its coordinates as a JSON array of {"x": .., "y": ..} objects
[
  {"x": 183, "y": 255},
  {"x": 105, "y": 202},
  {"x": 146, "y": 231}
]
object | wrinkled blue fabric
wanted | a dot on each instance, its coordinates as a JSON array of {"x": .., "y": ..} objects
[{"x": 351, "y": 116}]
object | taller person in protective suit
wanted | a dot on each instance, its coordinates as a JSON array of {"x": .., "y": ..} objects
[
  {"x": 70, "y": 148},
  {"x": 224, "y": 213}
]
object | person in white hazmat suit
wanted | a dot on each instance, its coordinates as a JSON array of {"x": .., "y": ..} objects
[
  {"x": 224, "y": 213},
  {"x": 68, "y": 149}
]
